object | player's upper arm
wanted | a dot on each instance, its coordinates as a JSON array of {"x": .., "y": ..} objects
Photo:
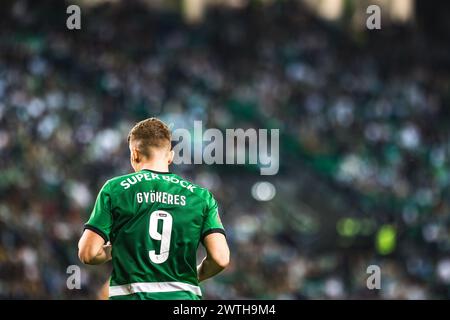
[
  {"x": 89, "y": 246},
  {"x": 98, "y": 227},
  {"x": 101, "y": 219},
  {"x": 217, "y": 248},
  {"x": 212, "y": 222},
  {"x": 213, "y": 234}
]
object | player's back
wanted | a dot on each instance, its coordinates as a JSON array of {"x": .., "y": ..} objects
[{"x": 155, "y": 222}]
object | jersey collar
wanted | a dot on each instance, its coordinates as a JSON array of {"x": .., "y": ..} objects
[{"x": 154, "y": 171}]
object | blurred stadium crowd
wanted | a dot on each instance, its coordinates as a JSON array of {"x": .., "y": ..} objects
[{"x": 364, "y": 168}]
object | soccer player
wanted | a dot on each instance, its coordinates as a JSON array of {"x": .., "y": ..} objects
[{"x": 150, "y": 224}]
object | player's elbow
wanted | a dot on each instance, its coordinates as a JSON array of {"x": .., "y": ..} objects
[
  {"x": 224, "y": 262},
  {"x": 222, "y": 259},
  {"x": 86, "y": 254},
  {"x": 84, "y": 257}
]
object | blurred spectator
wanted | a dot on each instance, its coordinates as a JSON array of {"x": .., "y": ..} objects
[{"x": 364, "y": 138}]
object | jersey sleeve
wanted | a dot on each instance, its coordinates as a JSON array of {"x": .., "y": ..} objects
[
  {"x": 212, "y": 222},
  {"x": 101, "y": 219}
]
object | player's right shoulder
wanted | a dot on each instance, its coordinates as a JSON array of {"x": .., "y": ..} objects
[
  {"x": 119, "y": 181},
  {"x": 201, "y": 192}
]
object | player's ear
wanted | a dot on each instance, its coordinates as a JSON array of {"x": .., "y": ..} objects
[
  {"x": 135, "y": 156},
  {"x": 171, "y": 155}
]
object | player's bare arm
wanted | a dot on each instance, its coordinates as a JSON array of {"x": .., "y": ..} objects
[
  {"x": 92, "y": 248},
  {"x": 217, "y": 258}
]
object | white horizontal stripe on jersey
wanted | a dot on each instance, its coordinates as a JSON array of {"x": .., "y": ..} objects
[{"x": 152, "y": 287}]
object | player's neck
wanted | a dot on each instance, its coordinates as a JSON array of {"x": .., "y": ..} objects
[{"x": 155, "y": 166}]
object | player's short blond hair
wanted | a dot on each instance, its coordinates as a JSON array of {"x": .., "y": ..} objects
[{"x": 150, "y": 133}]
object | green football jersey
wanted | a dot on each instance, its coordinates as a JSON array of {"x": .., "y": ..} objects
[{"x": 155, "y": 222}]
